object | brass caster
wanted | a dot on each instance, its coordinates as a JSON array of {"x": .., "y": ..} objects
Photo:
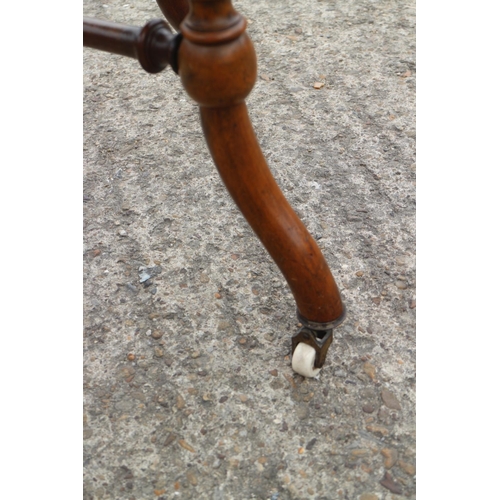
[{"x": 310, "y": 345}]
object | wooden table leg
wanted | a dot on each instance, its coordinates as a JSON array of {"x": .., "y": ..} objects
[
  {"x": 174, "y": 10},
  {"x": 217, "y": 66}
]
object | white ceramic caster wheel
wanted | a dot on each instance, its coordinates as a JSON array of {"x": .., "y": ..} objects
[{"x": 303, "y": 360}]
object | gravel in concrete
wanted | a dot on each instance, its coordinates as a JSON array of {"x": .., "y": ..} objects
[{"x": 188, "y": 387}]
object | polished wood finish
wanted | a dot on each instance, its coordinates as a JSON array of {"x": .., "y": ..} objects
[
  {"x": 154, "y": 45},
  {"x": 243, "y": 169},
  {"x": 110, "y": 37},
  {"x": 174, "y": 10},
  {"x": 217, "y": 66}
]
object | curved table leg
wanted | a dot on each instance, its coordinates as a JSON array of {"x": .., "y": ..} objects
[
  {"x": 174, "y": 10},
  {"x": 217, "y": 66}
]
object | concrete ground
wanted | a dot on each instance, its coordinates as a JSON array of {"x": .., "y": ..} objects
[{"x": 188, "y": 387}]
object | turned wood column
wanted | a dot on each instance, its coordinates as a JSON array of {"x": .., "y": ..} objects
[
  {"x": 218, "y": 68},
  {"x": 154, "y": 45}
]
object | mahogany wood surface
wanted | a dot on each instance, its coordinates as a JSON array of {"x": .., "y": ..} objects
[
  {"x": 217, "y": 66},
  {"x": 244, "y": 170},
  {"x": 110, "y": 37},
  {"x": 154, "y": 45},
  {"x": 174, "y": 10}
]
